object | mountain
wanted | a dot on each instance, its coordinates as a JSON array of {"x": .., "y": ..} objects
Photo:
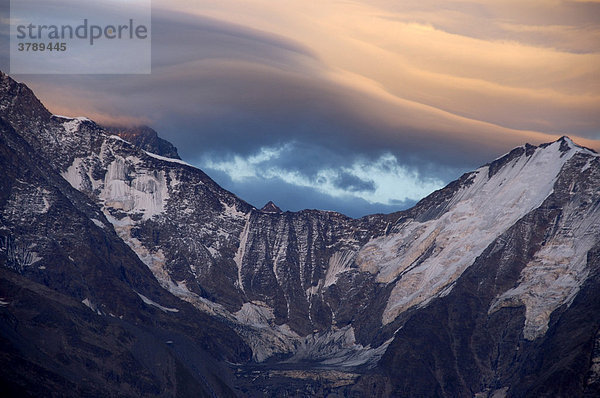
[
  {"x": 81, "y": 314},
  {"x": 487, "y": 287},
  {"x": 271, "y": 207},
  {"x": 145, "y": 138}
]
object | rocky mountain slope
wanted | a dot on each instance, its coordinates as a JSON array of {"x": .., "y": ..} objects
[
  {"x": 81, "y": 314},
  {"x": 145, "y": 138},
  {"x": 487, "y": 287}
]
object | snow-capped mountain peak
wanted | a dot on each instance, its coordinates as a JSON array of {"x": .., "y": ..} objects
[{"x": 423, "y": 259}]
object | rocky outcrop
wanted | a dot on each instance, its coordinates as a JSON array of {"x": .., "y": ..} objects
[
  {"x": 145, "y": 138},
  {"x": 271, "y": 207}
]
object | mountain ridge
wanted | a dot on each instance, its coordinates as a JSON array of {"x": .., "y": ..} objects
[
  {"x": 145, "y": 138},
  {"x": 314, "y": 291}
]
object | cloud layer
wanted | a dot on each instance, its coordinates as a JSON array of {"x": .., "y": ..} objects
[
  {"x": 360, "y": 106},
  {"x": 383, "y": 180}
]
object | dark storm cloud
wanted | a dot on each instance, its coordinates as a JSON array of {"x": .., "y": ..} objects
[
  {"x": 180, "y": 38},
  {"x": 353, "y": 183}
]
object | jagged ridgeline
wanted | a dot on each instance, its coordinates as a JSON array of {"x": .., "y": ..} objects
[{"x": 126, "y": 271}]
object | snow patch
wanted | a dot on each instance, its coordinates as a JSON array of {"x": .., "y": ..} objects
[
  {"x": 46, "y": 205},
  {"x": 180, "y": 290},
  {"x": 256, "y": 314},
  {"x": 266, "y": 342},
  {"x": 339, "y": 263},
  {"x": 71, "y": 126},
  {"x": 35, "y": 257},
  {"x": 73, "y": 174},
  {"x": 556, "y": 273},
  {"x": 239, "y": 255},
  {"x": 213, "y": 252},
  {"x": 86, "y": 301},
  {"x": 256, "y": 325},
  {"x": 588, "y": 164},
  {"x": 155, "y": 156},
  {"x": 337, "y": 348},
  {"x": 132, "y": 190},
  {"x": 117, "y": 138},
  {"x": 155, "y": 260},
  {"x": 99, "y": 223},
  {"x": 155, "y": 304}
]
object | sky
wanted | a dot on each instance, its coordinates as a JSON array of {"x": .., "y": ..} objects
[{"x": 353, "y": 106}]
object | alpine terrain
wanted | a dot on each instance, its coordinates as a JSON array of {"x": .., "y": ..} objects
[{"x": 125, "y": 271}]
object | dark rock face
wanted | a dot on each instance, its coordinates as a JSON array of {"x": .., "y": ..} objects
[
  {"x": 271, "y": 208},
  {"x": 488, "y": 287},
  {"x": 145, "y": 138},
  {"x": 58, "y": 347}
]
